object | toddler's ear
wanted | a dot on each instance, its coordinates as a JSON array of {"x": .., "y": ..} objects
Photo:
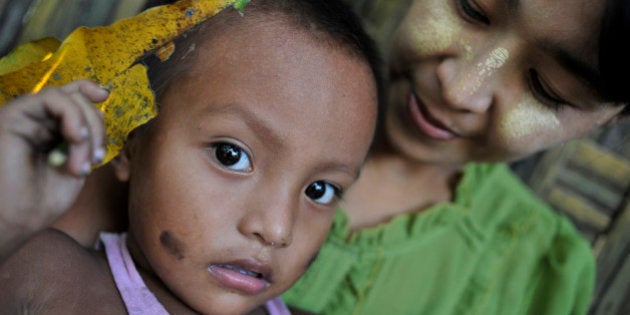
[
  {"x": 121, "y": 165},
  {"x": 122, "y": 162}
]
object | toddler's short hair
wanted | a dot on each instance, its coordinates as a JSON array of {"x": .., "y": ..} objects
[{"x": 330, "y": 22}]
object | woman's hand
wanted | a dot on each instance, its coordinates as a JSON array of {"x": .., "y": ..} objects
[{"x": 35, "y": 189}]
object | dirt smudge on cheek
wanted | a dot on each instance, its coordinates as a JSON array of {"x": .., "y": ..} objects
[{"x": 173, "y": 246}]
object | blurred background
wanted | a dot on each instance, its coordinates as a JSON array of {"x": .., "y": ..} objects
[
  {"x": 26, "y": 20},
  {"x": 588, "y": 179}
]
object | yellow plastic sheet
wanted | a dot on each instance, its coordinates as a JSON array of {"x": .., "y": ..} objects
[
  {"x": 107, "y": 55},
  {"x": 28, "y": 53}
]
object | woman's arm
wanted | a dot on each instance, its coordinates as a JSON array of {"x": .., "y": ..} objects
[
  {"x": 33, "y": 190},
  {"x": 100, "y": 206}
]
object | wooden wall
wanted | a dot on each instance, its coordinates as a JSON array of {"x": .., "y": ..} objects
[{"x": 25, "y": 20}]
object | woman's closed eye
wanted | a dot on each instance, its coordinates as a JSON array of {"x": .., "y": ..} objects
[
  {"x": 472, "y": 12},
  {"x": 543, "y": 93},
  {"x": 322, "y": 192},
  {"x": 232, "y": 157}
]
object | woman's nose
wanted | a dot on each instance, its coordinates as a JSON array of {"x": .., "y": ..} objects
[
  {"x": 270, "y": 219},
  {"x": 469, "y": 85}
]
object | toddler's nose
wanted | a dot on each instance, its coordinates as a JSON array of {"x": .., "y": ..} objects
[{"x": 270, "y": 221}]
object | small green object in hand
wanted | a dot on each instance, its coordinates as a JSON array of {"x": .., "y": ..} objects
[{"x": 59, "y": 155}]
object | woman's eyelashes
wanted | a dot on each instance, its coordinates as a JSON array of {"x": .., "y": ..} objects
[
  {"x": 472, "y": 12},
  {"x": 322, "y": 192},
  {"x": 232, "y": 157},
  {"x": 543, "y": 94}
]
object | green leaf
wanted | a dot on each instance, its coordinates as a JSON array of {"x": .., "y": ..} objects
[{"x": 240, "y": 4}]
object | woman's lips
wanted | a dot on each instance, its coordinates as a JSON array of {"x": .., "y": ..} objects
[
  {"x": 425, "y": 123},
  {"x": 245, "y": 276}
]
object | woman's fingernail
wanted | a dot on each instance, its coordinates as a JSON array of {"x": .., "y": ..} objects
[
  {"x": 104, "y": 92},
  {"x": 84, "y": 133},
  {"x": 99, "y": 155},
  {"x": 85, "y": 170}
]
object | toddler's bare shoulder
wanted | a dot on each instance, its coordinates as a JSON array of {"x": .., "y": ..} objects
[{"x": 52, "y": 273}]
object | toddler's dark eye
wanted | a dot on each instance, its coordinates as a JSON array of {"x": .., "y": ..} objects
[
  {"x": 232, "y": 157},
  {"x": 321, "y": 192}
]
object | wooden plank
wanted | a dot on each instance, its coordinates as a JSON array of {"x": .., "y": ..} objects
[
  {"x": 578, "y": 208},
  {"x": 548, "y": 168},
  {"x": 617, "y": 240},
  {"x": 598, "y": 193},
  {"x": 11, "y": 23},
  {"x": 36, "y": 24},
  {"x": 97, "y": 13},
  {"x": 614, "y": 295},
  {"x": 2, "y": 4},
  {"x": 605, "y": 163},
  {"x": 58, "y": 18},
  {"x": 127, "y": 8}
]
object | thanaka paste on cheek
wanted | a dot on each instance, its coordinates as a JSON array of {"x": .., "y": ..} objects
[
  {"x": 528, "y": 117},
  {"x": 467, "y": 51},
  {"x": 495, "y": 60},
  {"x": 435, "y": 30}
]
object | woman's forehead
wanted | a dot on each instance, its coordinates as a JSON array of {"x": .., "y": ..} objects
[
  {"x": 575, "y": 24},
  {"x": 566, "y": 30}
]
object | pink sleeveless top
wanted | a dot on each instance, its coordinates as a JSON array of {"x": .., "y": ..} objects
[{"x": 137, "y": 297}]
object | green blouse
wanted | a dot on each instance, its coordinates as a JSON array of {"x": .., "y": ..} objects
[{"x": 496, "y": 249}]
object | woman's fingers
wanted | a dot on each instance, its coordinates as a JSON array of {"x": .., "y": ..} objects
[
  {"x": 66, "y": 112},
  {"x": 85, "y": 93},
  {"x": 95, "y": 125},
  {"x": 92, "y": 91},
  {"x": 80, "y": 123},
  {"x": 73, "y": 127}
]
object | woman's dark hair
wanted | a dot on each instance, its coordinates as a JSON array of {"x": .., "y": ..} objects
[
  {"x": 328, "y": 22},
  {"x": 614, "y": 53}
]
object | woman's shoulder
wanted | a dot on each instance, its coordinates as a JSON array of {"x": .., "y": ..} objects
[
  {"x": 507, "y": 206},
  {"x": 494, "y": 194},
  {"x": 53, "y": 273},
  {"x": 488, "y": 197}
]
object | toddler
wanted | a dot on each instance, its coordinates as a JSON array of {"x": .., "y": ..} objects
[{"x": 264, "y": 121}]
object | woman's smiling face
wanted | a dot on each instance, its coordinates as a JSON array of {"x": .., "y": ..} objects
[
  {"x": 494, "y": 80},
  {"x": 234, "y": 185}
]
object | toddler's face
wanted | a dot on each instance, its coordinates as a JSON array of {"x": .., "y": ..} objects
[
  {"x": 493, "y": 80},
  {"x": 233, "y": 186}
]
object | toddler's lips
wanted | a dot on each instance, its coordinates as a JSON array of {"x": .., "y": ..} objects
[
  {"x": 425, "y": 123},
  {"x": 244, "y": 276}
]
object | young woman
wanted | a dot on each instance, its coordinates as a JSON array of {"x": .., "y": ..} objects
[{"x": 437, "y": 224}]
